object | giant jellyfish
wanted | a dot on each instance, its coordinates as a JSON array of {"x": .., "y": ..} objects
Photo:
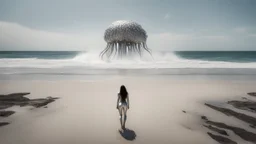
[{"x": 124, "y": 39}]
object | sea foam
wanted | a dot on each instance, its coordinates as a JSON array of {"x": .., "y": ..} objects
[{"x": 92, "y": 60}]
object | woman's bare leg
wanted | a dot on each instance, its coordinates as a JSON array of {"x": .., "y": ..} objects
[
  {"x": 125, "y": 116},
  {"x": 120, "y": 115}
]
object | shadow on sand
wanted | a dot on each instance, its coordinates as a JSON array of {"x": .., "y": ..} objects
[{"x": 128, "y": 134}]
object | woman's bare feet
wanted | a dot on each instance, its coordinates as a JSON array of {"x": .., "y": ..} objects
[{"x": 123, "y": 126}]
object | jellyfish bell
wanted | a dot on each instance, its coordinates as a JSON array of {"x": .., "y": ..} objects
[{"x": 124, "y": 39}]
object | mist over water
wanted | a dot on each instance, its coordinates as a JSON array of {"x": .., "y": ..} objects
[{"x": 159, "y": 60}]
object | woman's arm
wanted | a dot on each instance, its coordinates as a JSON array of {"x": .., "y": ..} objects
[
  {"x": 128, "y": 102},
  {"x": 118, "y": 98}
]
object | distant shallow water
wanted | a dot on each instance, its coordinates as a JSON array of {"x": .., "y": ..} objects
[{"x": 221, "y": 56}]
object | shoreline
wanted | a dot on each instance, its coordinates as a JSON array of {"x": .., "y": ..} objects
[{"x": 107, "y": 77}]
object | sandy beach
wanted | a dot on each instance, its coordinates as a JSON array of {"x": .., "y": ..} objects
[{"x": 163, "y": 109}]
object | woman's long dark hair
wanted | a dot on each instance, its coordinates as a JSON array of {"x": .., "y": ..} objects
[{"x": 123, "y": 93}]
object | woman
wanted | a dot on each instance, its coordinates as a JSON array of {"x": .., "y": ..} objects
[{"x": 122, "y": 104}]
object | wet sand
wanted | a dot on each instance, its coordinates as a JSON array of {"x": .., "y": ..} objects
[{"x": 162, "y": 110}]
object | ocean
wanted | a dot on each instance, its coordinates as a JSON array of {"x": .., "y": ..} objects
[{"x": 76, "y": 63}]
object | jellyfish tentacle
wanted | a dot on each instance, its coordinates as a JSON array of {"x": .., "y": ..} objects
[
  {"x": 133, "y": 48},
  {"x": 139, "y": 48},
  {"x": 129, "y": 50},
  {"x": 147, "y": 49},
  {"x": 123, "y": 49},
  {"x": 104, "y": 51},
  {"x": 111, "y": 50},
  {"x": 108, "y": 53},
  {"x": 117, "y": 46},
  {"x": 126, "y": 49},
  {"x": 119, "y": 50},
  {"x": 115, "y": 49}
]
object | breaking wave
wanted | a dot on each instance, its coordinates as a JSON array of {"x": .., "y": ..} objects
[{"x": 92, "y": 60}]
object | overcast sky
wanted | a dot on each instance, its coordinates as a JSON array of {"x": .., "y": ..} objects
[{"x": 170, "y": 24}]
